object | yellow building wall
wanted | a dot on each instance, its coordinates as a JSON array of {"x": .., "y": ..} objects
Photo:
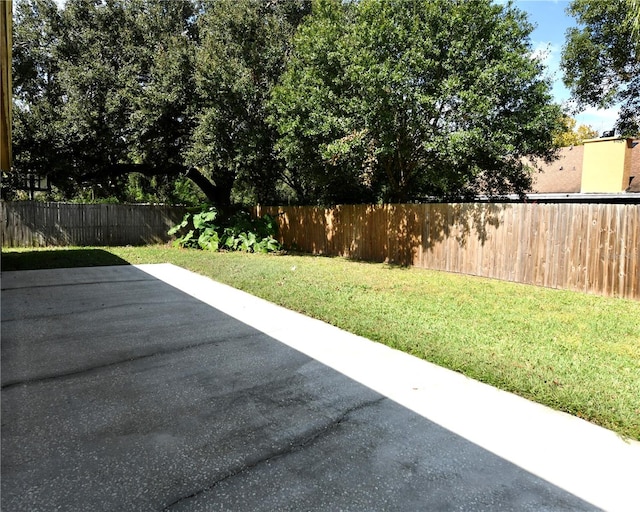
[{"x": 606, "y": 165}]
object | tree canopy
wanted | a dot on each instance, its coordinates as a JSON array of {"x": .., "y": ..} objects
[
  {"x": 244, "y": 44},
  {"x": 601, "y": 58},
  {"x": 572, "y": 136},
  {"x": 101, "y": 90},
  {"x": 126, "y": 97},
  {"x": 307, "y": 101},
  {"x": 396, "y": 101}
]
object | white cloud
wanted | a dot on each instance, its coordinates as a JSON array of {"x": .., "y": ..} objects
[
  {"x": 546, "y": 52},
  {"x": 599, "y": 119}
]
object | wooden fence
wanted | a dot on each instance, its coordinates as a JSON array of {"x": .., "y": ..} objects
[
  {"x": 37, "y": 224},
  {"x": 585, "y": 247}
]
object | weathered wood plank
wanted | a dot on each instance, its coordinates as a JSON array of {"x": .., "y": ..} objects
[
  {"x": 583, "y": 247},
  {"x": 31, "y": 223}
]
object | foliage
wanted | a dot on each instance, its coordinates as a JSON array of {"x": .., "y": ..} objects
[
  {"x": 601, "y": 59},
  {"x": 241, "y": 55},
  {"x": 308, "y": 106},
  {"x": 239, "y": 232},
  {"x": 395, "y": 101},
  {"x": 634, "y": 19},
  {"x": 380, "y": 100},
  {"x": 165, "y": 99},
  {"x": 37, "y": 92},
  {"x": 107, "y": 88},
  {"x": 101, "y": 90},
  {"x": 572, "y": 136}
]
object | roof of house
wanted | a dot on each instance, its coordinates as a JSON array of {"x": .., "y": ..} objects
[
  {"x": 561, "y": 175},
  {"x": 564, "y": 175}
]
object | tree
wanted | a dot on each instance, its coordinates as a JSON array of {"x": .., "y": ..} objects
[
  {"x": 37, "y": 92},
  {"x": 241, "y": 56},
  {"x": 105, "y": 96},
  {"x": 309, "y": 107},
  {"x": 395, "y": 101},
  {"x": 137, "y": 97},
  {"x": 98, "y": 75},
  {"x": 127, "y": 68},
  {"x": 165, "y": 102},
  {"x": 601, "y": 59},
  {"x": 570, "y": 136}
]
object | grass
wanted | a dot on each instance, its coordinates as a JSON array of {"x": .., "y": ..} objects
[{"x": 574, "y": 352}]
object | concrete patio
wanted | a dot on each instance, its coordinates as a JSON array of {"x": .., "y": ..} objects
[{"x": 149, "y": 388}]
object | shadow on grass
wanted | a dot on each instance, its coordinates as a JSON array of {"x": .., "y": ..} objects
[
  {"x": 58, "y": 258},
  {"x": 380, "y": 264}
]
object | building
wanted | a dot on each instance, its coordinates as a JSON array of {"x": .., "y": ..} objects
[{"x": 609, "y": 165}]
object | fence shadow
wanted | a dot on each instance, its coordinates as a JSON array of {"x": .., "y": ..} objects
[
  {"x": 397, "y": 234},
  {"x": 58, "y": 258}
]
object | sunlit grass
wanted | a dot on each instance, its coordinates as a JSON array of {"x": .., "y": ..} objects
[{"x": 577, "y": 353}]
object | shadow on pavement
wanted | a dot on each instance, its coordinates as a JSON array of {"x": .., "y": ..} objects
[
  {"x": 58, "y": 258},
  {"x": 120, "y": 392}
]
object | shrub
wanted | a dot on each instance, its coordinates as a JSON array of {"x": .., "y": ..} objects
[{"x": 239, "y": 232}]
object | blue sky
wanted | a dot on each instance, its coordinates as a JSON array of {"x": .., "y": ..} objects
[{"x": 552, "y": 22}]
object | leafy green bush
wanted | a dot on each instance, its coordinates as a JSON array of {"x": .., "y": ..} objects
[{"x": 239, "y": 232}]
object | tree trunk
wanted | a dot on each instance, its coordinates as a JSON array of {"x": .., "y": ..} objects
[{"x": 218, "y": 194}]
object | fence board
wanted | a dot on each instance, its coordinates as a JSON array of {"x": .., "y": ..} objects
[
  {"x": 35, "y": 224},
  {"x": 632, "y": 288},
  {"x": 584, "y": 247}
]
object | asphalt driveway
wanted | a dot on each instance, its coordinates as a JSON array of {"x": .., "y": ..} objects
[{"x": 151, "y": 388}]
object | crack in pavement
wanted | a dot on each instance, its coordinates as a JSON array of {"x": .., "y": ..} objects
[
  {"x": 100, "y": 308},
  {"x": 282, "y": 452},
  {"x": 47, "y": 378},
  {"x": 83, "y": 283}
]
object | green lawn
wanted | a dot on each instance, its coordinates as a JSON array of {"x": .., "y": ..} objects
[{"x": 574, "y": 352}]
